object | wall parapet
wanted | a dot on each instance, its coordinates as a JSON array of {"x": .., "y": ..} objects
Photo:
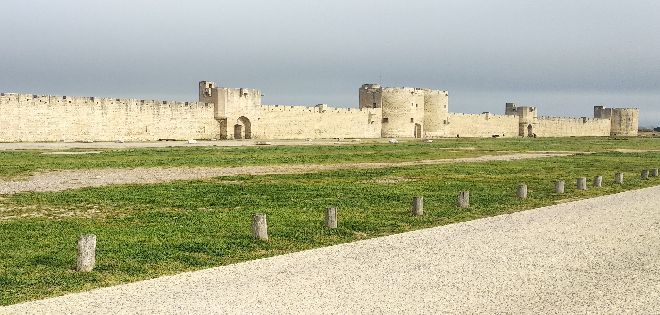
[
  {"x": 65, "y": 99},
  {"x": 313, "y": 109},
  {"x": 571, "y": 119}
]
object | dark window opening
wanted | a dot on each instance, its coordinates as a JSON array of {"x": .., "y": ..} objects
[{"x": 385, "y": 119}]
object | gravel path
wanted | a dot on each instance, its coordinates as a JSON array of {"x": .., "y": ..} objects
[
  {"x": 71, "y": 179},
  {"x": 599, "y": 256}
]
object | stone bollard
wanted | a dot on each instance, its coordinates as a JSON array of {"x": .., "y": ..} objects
[
  {"x": 618, "y": 178},
  {"x": 464, "y": 199},
  {"x": 654, "y": 172},
  {"x": 582, "y": 183},
  {"x": 559, "y": 186},
  {"x": 522, "y": 191},
  {"x": 259, "y": 227},
  {"x": 86, "y": 253},
  {"x": 330, "y": 218},
  {"x": 645, "y": 174},
  {"x": 418, "y": 206},
  {"x": 598, "y": 181}
]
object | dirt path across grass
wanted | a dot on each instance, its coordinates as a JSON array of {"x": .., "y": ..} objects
[{"x": 71, "y": 179}]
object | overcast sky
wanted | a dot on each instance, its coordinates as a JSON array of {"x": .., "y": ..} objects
[{"x": 564, "y": 56}]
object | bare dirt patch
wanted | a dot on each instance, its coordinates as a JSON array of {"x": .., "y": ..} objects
[
  {"x": 71, "y": 153},
  {"x": 392, "y": 180},
  {"x": 12, "y": 212},
  {"x": 72, "y": 179}
]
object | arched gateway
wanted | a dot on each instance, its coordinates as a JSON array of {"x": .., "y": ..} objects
[{"x": 243, "y": 128}]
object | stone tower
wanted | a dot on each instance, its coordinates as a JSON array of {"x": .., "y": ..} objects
[
  {"x": 436, "y": 112},
  {"x": 624, "y": 121},
  {"x": 370, "y": 96},
  {"x": 528, "y": 118},
  {"x": 407, "y": 112}
]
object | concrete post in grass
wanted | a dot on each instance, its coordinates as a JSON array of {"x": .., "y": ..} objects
[
  {"x": 559, "y": 186},
  {"x": 464, "y": 199},
  {"x": 582, "y": 183},
  {"x": 330, "y": 218},
  {"x": 259, "y": 227},
  {"x": 598, "y": 181},
  {"x": 654, "y": 172},
  {"x": 418, "y": 206},
  {"x": 86, "y": 253},
  {"x": 522, "y": 191},
  {"x": 618, "y": 178},
  {"x": 645, "y": 174}
]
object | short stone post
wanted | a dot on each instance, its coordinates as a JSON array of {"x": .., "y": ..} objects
[
  {"x": 559, "y": 186},
  {"x": 522, "y": 191},
  {"x": 464, "y": 199},
  {"x": 259, "y": 227},
  {"x": 618, "y": 178},
  {"x": 598, "y": 181},
  {"x": 330, "y": 218},
  {"x": 86, "y": 253},
  {"x": 654, "y": 172},
  {"x": 645, "y": 174},
  {"x": 582, "y": 183},
  {"x": 418, "y": 206}
]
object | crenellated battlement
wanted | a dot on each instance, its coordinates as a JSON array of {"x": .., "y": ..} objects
[
  {"x": 8, "y": 98},
  {"x": 485, "y": 115},
  {"x": 312, "y": 109},
  {"x": 571, "y": 119}
]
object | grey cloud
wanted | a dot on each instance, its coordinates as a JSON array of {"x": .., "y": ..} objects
[{"x": 551, "y": 53}]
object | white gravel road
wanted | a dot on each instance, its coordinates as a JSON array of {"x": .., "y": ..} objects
[{"x": 597, "y": 256}]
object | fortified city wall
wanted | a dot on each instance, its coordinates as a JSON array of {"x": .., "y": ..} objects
[
  {"x": 574, "y": 127},
  {"x": 321, "y": 121},
  {"x": 601, "y": 125},
  {"x": 238, "y": 113},
  {"x": 33, "y": 118},
  {"x": 242, "y": 116},
  {"x": 480, "y": 125}
]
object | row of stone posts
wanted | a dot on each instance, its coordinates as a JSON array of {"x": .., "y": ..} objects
[{"x": 87, "y": 243}]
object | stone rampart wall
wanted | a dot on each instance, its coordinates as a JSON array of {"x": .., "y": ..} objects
[
  {"x": 571, "y": 127},
  {"x": 300, "y": 122},
  {"x": 480, "y": 125},
  {"x": 34, "y": 118}
]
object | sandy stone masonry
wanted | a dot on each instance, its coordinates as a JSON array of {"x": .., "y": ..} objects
[{"x": 237, "y": 113}]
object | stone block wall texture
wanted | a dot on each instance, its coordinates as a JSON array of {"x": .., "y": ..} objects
[
  {"x": 33, "y": 118},
  {"x": 578, "y": 127},
  {"x": 479, "y": 125},
  {"x": 298, "y": 122}
]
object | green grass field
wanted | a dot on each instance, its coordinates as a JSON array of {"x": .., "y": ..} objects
[
  {"x": 22, "y": 163},
  {"x": 145, "y": 231}
]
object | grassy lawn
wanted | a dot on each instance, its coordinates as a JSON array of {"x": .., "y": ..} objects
[
  {"x": 145, "y": 231},
  {"x": 23, "y": 163}
]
